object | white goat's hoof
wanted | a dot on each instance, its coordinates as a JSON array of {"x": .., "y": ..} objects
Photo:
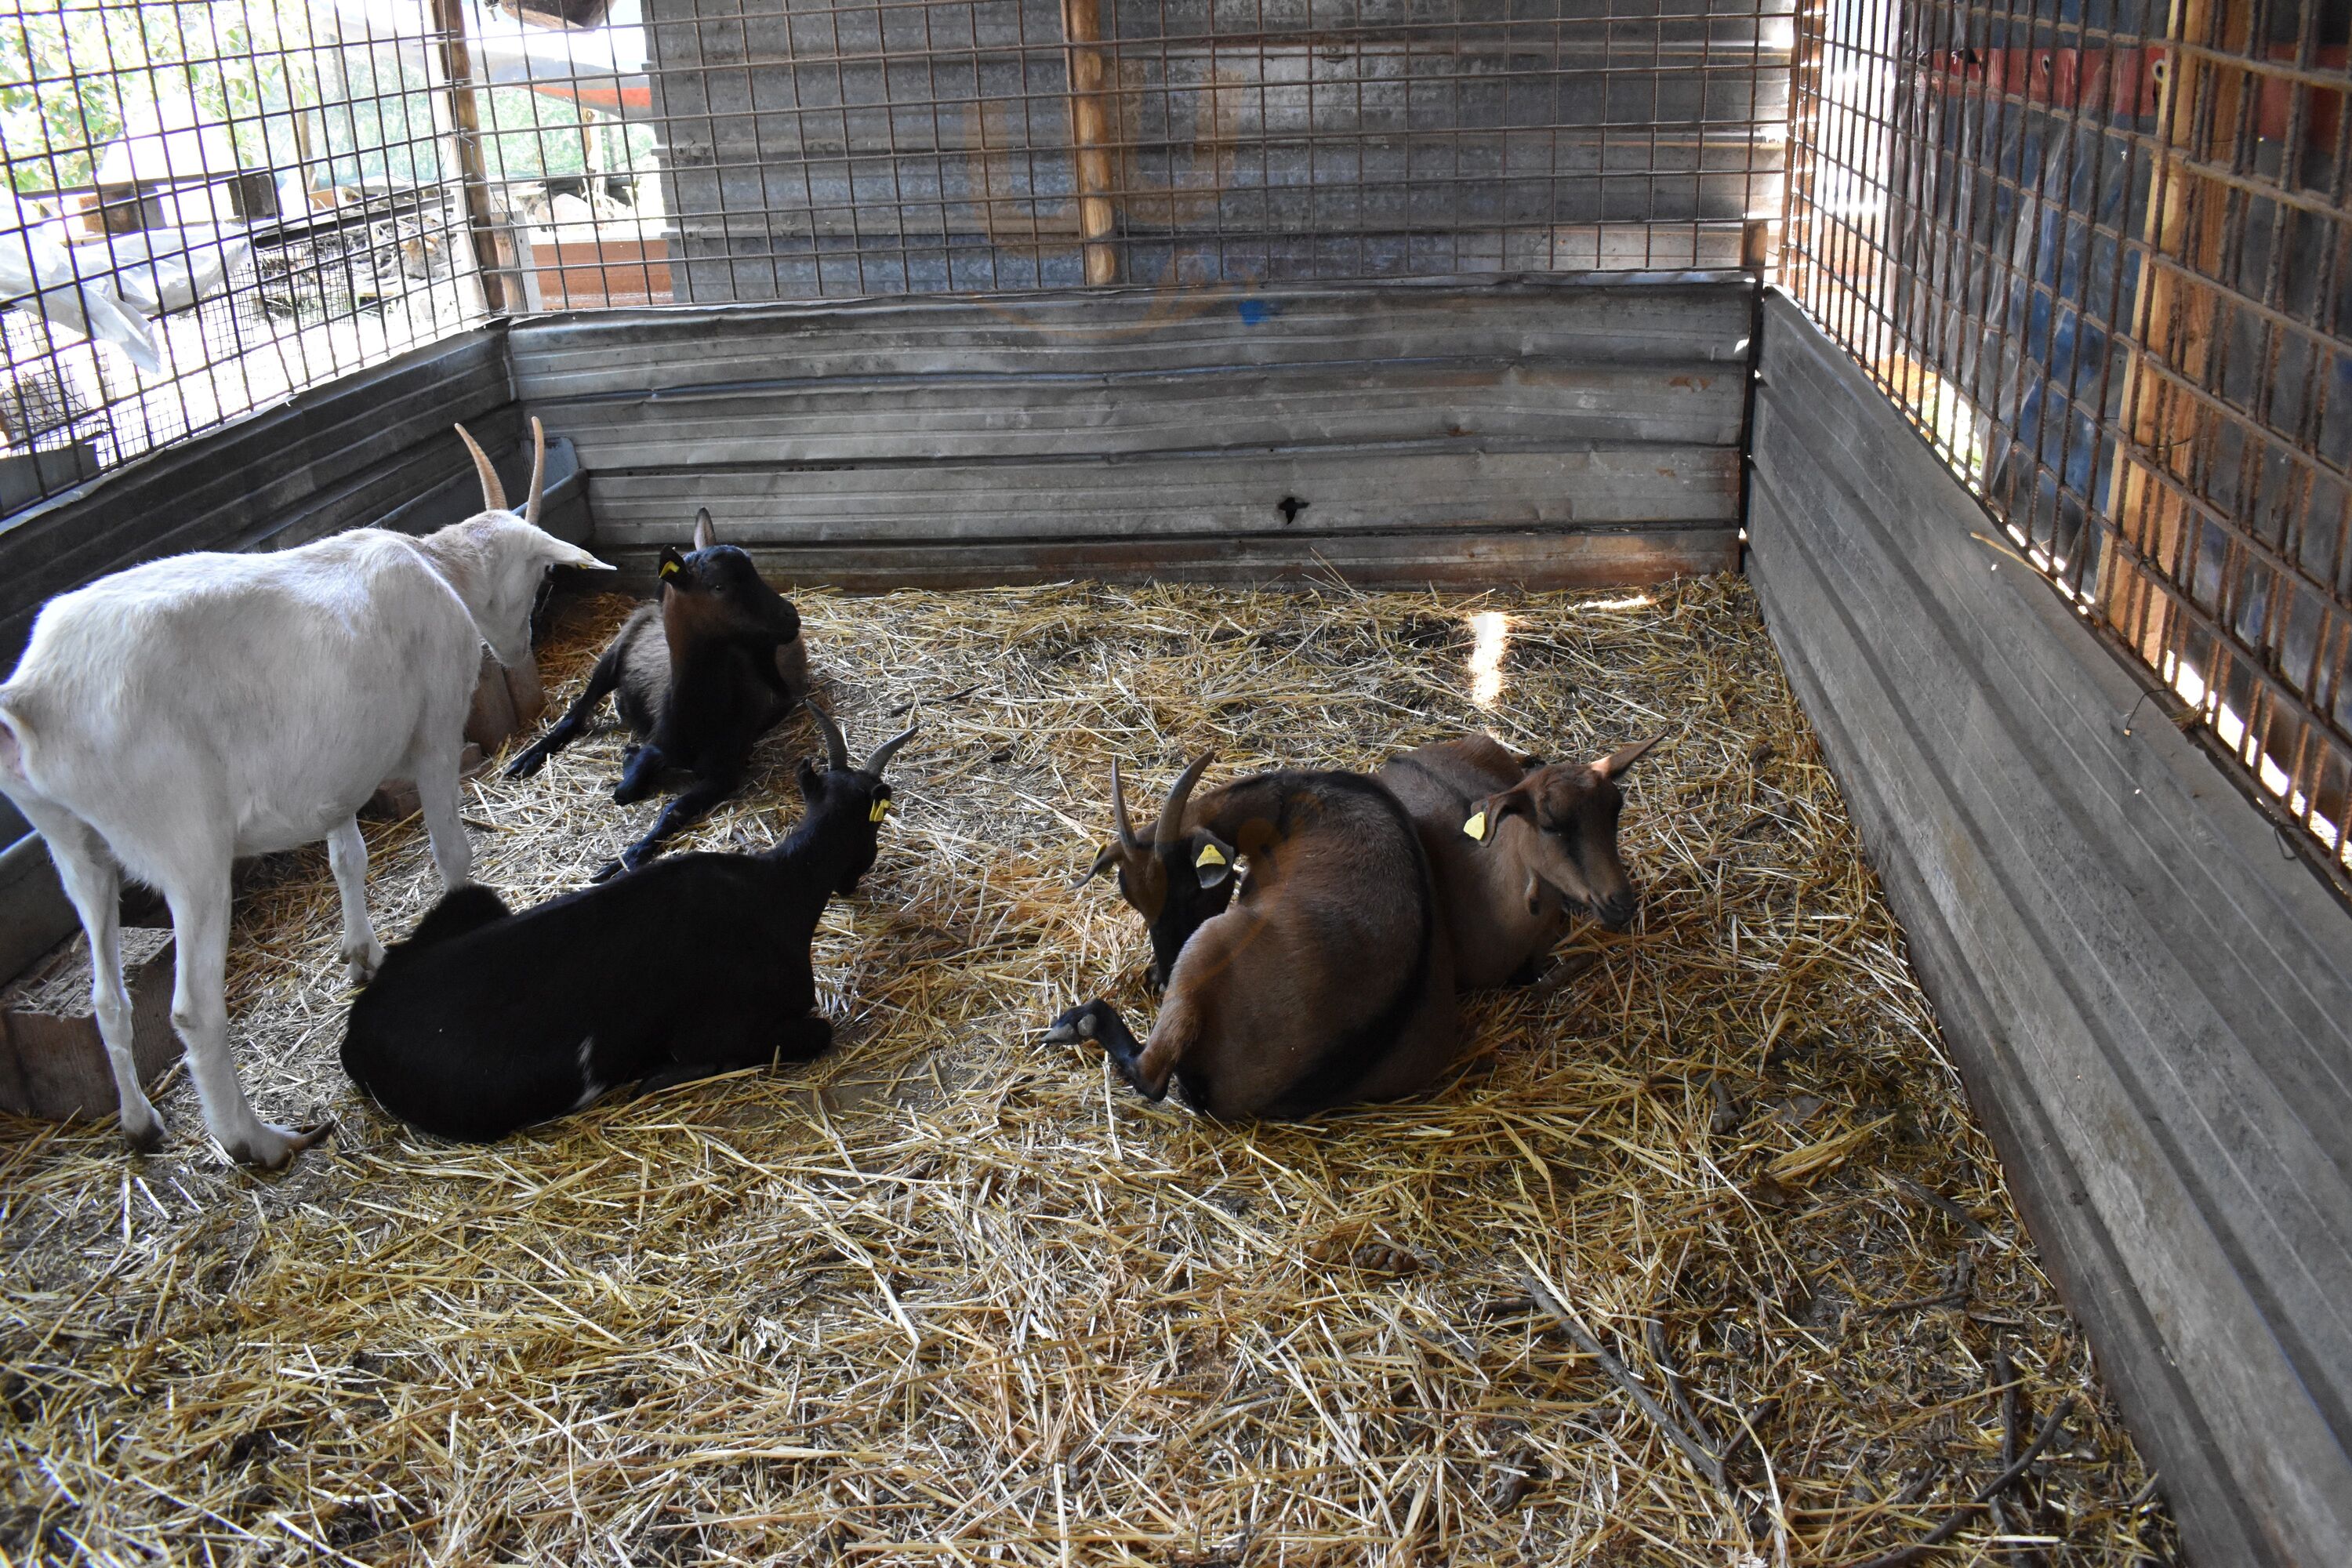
[
  {"x": 360, "y": 967},
  {"x": 143, "y": 1135},
  {"x": 274, "y": 1147}
]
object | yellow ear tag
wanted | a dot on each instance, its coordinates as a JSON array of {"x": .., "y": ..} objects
[
  {"x": 1477, "y": 827},
  {"x": 668, "y": 570},
  {"x": 1210, "y": 857},
  {"x": 881, "y": 808}
]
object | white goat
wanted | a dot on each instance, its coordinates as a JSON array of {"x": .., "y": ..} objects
[{"x": 170, "y": 718}]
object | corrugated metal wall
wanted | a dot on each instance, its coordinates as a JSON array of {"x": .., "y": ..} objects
[{"x": 825, "y": 149}]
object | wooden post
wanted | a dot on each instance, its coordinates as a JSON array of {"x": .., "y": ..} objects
[
  {"x": 2174, "y": 317},
  {"x": 1090, "y": 139},
  {"x": 492, "y": 264}
]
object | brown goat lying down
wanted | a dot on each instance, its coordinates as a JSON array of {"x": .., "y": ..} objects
[
  {"x": 1331, "y": 976},
  {"x": 1326, "y": 979}
]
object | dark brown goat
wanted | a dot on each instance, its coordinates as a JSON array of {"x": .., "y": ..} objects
[
  {"x": 1326, "y": 979},
  {"x": 698, "y": 675},
  {"x": 1518, "y": 847}
]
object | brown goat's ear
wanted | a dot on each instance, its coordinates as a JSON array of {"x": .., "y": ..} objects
[
  {"x": 1212, "y": 859},
  {"x": 1103, "y": 862},
  {"x": 1623, "y": 757},
  {"x": 672, "y": 564},
  {"x": 1487, "y": 816},
  {"x": 705, "y": 536}
]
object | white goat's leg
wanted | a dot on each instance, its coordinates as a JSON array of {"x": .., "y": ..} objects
[
  {"x": 437, "y": 796},
  {"x": 200, "y": 1013},
  {"x": 347, "y": 854},
  {"x": 86, "y": 865}
]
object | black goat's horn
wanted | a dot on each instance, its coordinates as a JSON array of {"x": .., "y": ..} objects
[
  {"x": 888, "y": 749},
  {"x": 837, "y": 750},
  {"x": 1118, "y": 807},
  {"x": 538, "y": 469},
  {"x": 1170, "y": 827},
  {"x": 493, "y": 494}
]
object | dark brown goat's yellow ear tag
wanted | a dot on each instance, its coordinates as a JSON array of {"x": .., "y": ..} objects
[
  {"x": 1209, "y": 856},
  {"x": 668, "y": 570},
  {"x": 1477, "y": 827},
  {"x": 881, "y": 808}
]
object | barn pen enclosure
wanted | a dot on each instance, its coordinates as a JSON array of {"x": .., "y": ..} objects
[{"x": 1923, "y": 1134}]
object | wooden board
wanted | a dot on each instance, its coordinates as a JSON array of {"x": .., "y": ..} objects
[
  {"x": 1468, "y": 557},
  {"x": 1504, "y": 429},
  {"x": 2152, "y": 1007}
]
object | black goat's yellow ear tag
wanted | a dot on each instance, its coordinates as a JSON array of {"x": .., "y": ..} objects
[
  {"x": 880, "y": 809},
  {"x": 669, "y": 568},
  {"x": 1209, "y": 856},
  {"x": 1477, "y": 827}
]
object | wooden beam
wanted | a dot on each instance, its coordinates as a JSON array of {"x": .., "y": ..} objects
[
  {"x": 1090, "y": 137},
  {"x": 492, "y": 263},
  {"x": 2174, "y": 315}
]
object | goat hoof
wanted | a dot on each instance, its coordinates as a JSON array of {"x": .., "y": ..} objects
[
  {"x": 1084, "y": 1022},
  {"x": 529, "y": 763},
  {"x": 359, "y": 968},
  {"x": 276, "y": 1146},
  {"x": 607, "y": 871},
  {"x": 144, "y": 1137}
]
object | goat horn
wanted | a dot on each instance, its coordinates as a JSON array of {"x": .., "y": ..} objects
[
  {"x": 1118, "y": 807},
  {"x": 538, "y": 469},
  {"x": 493, "y": 494},
  {"x": 1171, "y": 826},
  {"x": 837, "y": 750},
  {"x": 888, "y": 749}
]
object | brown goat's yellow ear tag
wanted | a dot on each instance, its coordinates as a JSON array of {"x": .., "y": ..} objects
[
  {"x": 880, "y": 809},
  {"x": 668, "y": 570},
  {"x": 1477, "y": 827},
  {"x": 1209, "y": 856}
]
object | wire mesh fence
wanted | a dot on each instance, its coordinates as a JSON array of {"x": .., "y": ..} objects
[
  {"x": 209, "y": 205},
  {"x": 2098, "y": 252},
  {"x": 216, "y": 203}
]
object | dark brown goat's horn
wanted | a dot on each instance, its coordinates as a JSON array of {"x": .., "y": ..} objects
[
  {"x": 837, "y": 750},
  {"x": 1118, "y": 807},
  {"x": 538, "y": 470},
  {"x": 493, "y": 494},
  {"x": 888, "y": 749},
  {"x": 1171, "y": 826}
]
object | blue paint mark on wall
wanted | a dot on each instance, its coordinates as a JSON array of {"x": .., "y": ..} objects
[{"x": 1255, "y": 310}]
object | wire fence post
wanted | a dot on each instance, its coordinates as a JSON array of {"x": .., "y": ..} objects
[{"x": 494, "y": 255}]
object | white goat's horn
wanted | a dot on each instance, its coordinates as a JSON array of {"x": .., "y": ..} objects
[
  {"x": 538, "y": 469},
  {"x": 493, "y": 494}
]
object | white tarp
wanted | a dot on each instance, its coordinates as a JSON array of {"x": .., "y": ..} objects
[{"x": 41, "y": 275}]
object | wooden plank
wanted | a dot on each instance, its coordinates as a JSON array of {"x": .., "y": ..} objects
[
  {"x": 1583, "y": 558},
  {"x": 938, "y": 418},
  {"x": 1106, "y": 332},
  {"x": 1343, "y": 490},
  {"x": 2148, "y": 988}
]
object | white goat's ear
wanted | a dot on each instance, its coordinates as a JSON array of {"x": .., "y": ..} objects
[
  {"x": 705, "y": 536},
  {"x": 572, "y": 555}
]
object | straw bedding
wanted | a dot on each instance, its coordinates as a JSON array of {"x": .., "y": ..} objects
[{"x": 953, "y": 1295}]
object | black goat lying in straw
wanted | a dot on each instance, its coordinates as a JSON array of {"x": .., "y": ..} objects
[
  {"x": 698, "y": 675},
  {"x": 1328, "y": 979},
  {"x": 487, "y": 1021}
]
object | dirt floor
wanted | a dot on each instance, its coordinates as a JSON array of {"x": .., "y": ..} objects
[{"x": 954, "y": 1294}]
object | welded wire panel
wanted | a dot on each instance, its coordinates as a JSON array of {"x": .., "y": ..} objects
[
  {"x": 211, "y": 204},
  {"x": 803, "y": 149},
  {"x": 2100, "y": 255}
]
